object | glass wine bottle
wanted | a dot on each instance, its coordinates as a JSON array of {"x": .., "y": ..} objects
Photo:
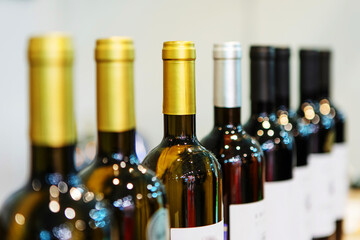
[
  {"x": 191, "y": 174},
  {"x": 54, "y": 203},
  {"x": 340, "y": 148},
  {"x": 240, "y": 155},
  {"x": 276, "y": 143},
  {"x": 301, "y": 131},
  {"x": 137, "y": 198},
  {"x": 321, "y": 141}
]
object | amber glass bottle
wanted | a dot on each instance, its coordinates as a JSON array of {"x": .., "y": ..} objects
[
  {"x": 239, "y": 154},
  {"x": 191, "y": 174},
  {"x": 136, "y": 196},
  {"x": 53, "y": 204}
]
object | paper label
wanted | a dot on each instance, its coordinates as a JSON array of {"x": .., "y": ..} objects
[
  {"x": 322, "y": 194},
  {"x": 209, "y": 232},
  {"x": 340, "y": 156},
  {"x": 302, "y": 203},
  {"x": 279, "y": 210},
  {"x": 247, "y": 221}
]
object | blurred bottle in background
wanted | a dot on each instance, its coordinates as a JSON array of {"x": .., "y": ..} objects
[
  {"x": 54, "y": 203},
  {"x": 299, "y": 128},
  {"x": 321, "y": 142},
  {"x": 240, "y": 155},
  {"x": 136, "y": 197},
  {"x": 340, "y": 148},
  {"x": 276, "y": 143}
]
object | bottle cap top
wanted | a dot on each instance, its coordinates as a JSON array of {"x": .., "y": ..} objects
[
  {"x": 179, "y": 50},
  {"x": 51, "y": 47},
  {"x": 227, "y": 50},
  {"x": 262, "y": 52},
  {"x": 115, "y": 49},
  {"x": 282, "y": 53}
]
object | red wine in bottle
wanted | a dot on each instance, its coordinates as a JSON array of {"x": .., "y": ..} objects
[
  {"x": 295, "y": 125},
  {"x": 276, "y": 143},
  {"x": 137, "y": 198},
  {"x": 321, "y": 141},
  {"x": 191, "y": 174},
  {"x": 239, "y": 154},
  {"x": 340, "y": 148}
]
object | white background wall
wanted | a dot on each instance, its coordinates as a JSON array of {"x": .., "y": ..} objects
[{"x": 333, "y": 23}]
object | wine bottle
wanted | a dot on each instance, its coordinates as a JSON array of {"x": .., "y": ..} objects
[
  {"x": 301, "y": 131},
  {"x": 276, "y": 143},
  {"x": 137, "y": 197},
  {"x": 191, "y": 174},
  {"x": 240, "y": 155},
  {"x": 53, "y": 204},
  {"x": 339, "y": 151},
  {"x": 321, "y": 141}
]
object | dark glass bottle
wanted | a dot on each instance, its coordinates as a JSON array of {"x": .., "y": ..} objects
[
  {"x": 53, "y": 204},
  {"x": 339, "y": 150},
  {"x": 321, "y": 141},
  {"x": 240, "y": 155},
  {"x": 301, "y": 131},
  {"x": 191, "y": 174},
  {"x": 276, "y": 143},
  {"x": 136, "y": 196}
]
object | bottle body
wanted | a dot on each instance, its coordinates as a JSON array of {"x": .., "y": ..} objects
[
  {"x": 243, "y": 166},
  {"x": 301, "y": 131},
  {"x": 193, "y": 185},
  {"x": 54, "y": 206},
  {"x": 277, "y": 146}
]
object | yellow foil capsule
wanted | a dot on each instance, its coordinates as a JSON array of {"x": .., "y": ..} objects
[
  {"x": 52, "y": 121},
  {"x": 115, "y": 84},
  {"x": 179, "y": 78}
]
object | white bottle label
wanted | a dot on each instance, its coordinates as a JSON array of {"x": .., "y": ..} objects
[
  {"x": 302, "y": 203},
  {"x": 279, "y": 210},
  {"x": 158, "y": 226},
  {"x": 209, "y": 232},
  {"x": 322, "y": 194},
  {"x": 340, "y": 155},
  {"x": 247, "y": 221}
]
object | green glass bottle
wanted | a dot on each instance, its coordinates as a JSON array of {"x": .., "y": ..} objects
[
  {"x": 53, "y": 204},
  {"x": 137, "y": 198}
]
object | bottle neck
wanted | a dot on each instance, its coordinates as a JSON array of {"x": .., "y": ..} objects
[
  {"x": 227, "y": 116},
  {"x": 117, "y": 142},
  {"x": 179, "y": 126},
  {"x": 46, "y": 160},
  {"x": 258, "y": 108}
]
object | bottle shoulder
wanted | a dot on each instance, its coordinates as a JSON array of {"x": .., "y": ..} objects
[
  {"x": 118, "y": 179},
  {"x": 54, "y": 208},
  {"x": 180, "y": 159},
  {"x": 269, "y": 133}
]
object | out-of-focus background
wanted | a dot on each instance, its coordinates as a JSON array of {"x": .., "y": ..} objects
[{"x": 329, "y": 23}]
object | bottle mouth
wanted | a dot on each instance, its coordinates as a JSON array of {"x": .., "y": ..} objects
[
  {"x": 227, "y": 50},
  {"x": 115, "y": 48},
  {"x": 282, "y": 53},
  {"x": 179, "y": 50}
]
